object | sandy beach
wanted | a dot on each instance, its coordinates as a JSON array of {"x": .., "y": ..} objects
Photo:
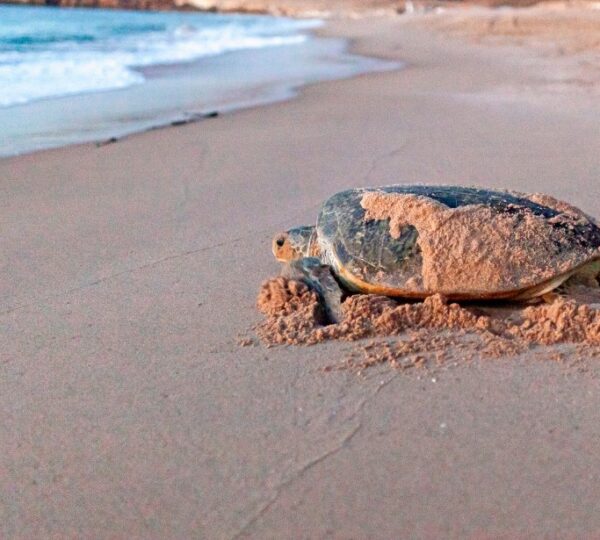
[{"x": 130, "y": 271}]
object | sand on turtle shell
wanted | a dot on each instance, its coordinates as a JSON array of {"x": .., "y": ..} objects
[
  {"x": 424, "y": 329},
  {"x": 556, "y": 204},
  {"x": 472, "y": 248}
]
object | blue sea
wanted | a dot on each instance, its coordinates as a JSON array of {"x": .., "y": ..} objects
[{"x": 124, "y": 70}]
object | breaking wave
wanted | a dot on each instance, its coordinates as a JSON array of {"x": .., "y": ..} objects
[{"x": 60, "y": 52}]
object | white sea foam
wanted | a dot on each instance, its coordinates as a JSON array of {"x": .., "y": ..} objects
[
  {"x": 51, "y": 60},
  {"x": 43, "y": 79}
]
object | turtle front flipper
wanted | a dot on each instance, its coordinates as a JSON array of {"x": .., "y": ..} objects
[{"x": 318, "y": 277}]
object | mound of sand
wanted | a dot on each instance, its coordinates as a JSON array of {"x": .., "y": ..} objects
[{"x": 433, "y": 328}]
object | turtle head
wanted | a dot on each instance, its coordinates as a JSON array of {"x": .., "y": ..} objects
[{"x": 294, "y": 244}]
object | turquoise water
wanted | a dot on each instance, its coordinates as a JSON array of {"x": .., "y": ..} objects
[
  {"x": 79, "y": 75},
  {"x": 49, "y": 52}
]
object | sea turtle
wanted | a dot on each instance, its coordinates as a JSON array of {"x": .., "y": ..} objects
[{"x": 412, "y": 241}]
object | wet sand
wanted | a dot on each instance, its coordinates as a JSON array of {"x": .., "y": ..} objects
[{"x": 130, "y": 270}]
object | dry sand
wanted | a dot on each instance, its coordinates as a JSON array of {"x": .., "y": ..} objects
[
  {"x": 129, "y": 270},
  {"x": 562, "y": 40}
]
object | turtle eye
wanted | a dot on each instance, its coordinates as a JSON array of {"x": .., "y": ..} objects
[{"x": 280, "y": 241}]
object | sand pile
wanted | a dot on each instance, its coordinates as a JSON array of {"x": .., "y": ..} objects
[
  {"x": 560, "y": 322},
  {"x": 294, "y": 317},
  {"x": 293, "y": 312},
  {"x": 430, "y": 330}
]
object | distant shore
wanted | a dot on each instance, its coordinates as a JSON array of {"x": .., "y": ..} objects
[{"x": 291, "y": 8}]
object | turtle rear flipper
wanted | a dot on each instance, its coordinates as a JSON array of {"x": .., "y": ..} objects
[
  {"x": 588, "y": 275},
  {"x": 318, "y": 277}
]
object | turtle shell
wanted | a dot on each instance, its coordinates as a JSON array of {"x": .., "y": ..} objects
[{"x": 368, "y": 257}]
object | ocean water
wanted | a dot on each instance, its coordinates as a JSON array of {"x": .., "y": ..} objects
[
  {"x": 51, "y": 52},
  {"x": 77, "y": 75}
]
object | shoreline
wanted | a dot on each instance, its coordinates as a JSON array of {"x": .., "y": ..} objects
[
  {"x": 181, "y": 93},
  {"x": 452, "y": 22},
  {"x": 130, "y": 270}
]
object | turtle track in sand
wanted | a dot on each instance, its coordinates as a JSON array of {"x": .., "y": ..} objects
[{"x": 407, "y": 335}]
